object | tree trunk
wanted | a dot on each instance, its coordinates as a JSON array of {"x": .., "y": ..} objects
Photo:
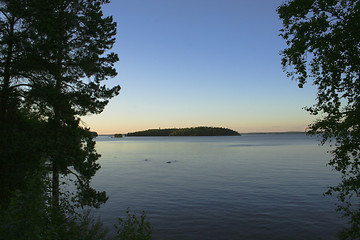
[
  {"x": 57, "y": 128},
  {"x": 4, "y": 109},
  {"x": 55, "y": 187},
  {"x": 7, "y": 76}
]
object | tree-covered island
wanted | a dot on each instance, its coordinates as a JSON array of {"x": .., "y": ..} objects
[{"x": 194, "y": 131}]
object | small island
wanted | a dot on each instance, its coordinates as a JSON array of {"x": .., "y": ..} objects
[{"x": 194, "y": 131}]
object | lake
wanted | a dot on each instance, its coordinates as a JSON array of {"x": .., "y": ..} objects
[{"x": 254, "y": 186}]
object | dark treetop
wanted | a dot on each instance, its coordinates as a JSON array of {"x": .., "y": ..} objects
[{"x": 196, "y": 131}]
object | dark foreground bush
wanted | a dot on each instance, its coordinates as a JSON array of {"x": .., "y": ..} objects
[
  {"x": 29, "y": 216},
  {"x": 133, "y": 227}
]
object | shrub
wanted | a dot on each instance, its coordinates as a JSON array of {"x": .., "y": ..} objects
[{"x": 133, "y": 228}]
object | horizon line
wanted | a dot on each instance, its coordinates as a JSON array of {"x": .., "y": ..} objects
[{"x": 260, "y": 132}]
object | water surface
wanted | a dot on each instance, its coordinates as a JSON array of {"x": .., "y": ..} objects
[{"x": 260, "y": 186}]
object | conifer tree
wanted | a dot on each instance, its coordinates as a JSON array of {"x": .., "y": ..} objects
[
  {"x": 66, "y": 58},
  {"x": 19, "y": 153},
  {"x": 70, "y": 52}
]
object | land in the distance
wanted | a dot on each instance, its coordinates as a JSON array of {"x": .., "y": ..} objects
[
  {"x": 194, "y": 131},
  {"x": 289, "y": 132}
]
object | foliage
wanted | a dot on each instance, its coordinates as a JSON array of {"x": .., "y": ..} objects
[
  {"x": 323, "y": 41},
  {"x": 54, "y": 58},
  {"x": 133, "y": 228},
  {"x": 21, "y": 151},
  {"x": 63, "y": 63},
  {"x": 197, "y": 131},
  {"x": 25, "y": 216},
  {"x": 28, "y": 216},
  {"x": 20, "y": 131}
]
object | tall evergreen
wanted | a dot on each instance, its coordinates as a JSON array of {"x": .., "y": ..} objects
[
  {"x": 19, "y": 153},
  {"x": 64, "y": 60},
  {"x": 69, "y": 52}
]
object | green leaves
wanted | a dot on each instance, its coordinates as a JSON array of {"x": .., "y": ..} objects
[
  {"x": 133, "y": 227},
  {"x": 55, "y": 57},
  {"x": 70, "y": 40},
  {"x": 323, "y": 41}
]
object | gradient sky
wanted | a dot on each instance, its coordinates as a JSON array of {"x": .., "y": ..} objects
[{"x": 188, "y": 63}]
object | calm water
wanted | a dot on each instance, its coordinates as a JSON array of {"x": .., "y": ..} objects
[{"x": 261, "y": 186}]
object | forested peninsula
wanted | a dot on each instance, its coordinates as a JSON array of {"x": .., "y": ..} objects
[{"x": 194, "y": 131}]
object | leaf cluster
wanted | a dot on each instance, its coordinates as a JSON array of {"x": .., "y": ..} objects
[
  {"x": 323, "y": 41},
  {"x": 29, "y": 216},
  {"x": 54, "y": 58},
  {"x": 133, "y": 227}
]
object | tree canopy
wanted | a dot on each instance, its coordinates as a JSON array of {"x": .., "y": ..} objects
[
  {"x": 54, "y": 58},
  {"x": 323, "y": 40},
  {"x": 196, "y": 131},
  {"x": 70, "y": 40}
]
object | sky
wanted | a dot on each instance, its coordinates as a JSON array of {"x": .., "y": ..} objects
[{"x": 189, "y": 63}]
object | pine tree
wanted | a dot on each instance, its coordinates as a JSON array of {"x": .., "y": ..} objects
[
  {"x": 67, "y": 61},
  {"x": 19, "y": 153}
]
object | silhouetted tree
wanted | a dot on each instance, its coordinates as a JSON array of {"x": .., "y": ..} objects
[
  {"x": 53, "y": 61},
  {"x": 70, "y": 60},
  {"x": 64, "y": 61},
  {"x": 323, "y": 41},
  {"x": 20, "y": 151}
]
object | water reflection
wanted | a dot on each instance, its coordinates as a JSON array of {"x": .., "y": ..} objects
[{"x": 247, "y": 187}]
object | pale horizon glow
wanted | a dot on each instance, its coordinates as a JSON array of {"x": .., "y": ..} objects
[{"x": 201, "y": 63}]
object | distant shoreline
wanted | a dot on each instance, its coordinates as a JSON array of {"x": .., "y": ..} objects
[
  {"x": 289, "y": 132},
  {"x": 193, "y": 131},
  {"x": 248, "y": 133}
]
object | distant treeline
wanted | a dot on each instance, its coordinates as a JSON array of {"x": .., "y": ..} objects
[
  {"x": 289, "y": 132},
  {"x": 196, "y": 131}
]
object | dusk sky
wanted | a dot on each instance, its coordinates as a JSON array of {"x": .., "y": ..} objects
[{"x": 188, "y": 63}]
